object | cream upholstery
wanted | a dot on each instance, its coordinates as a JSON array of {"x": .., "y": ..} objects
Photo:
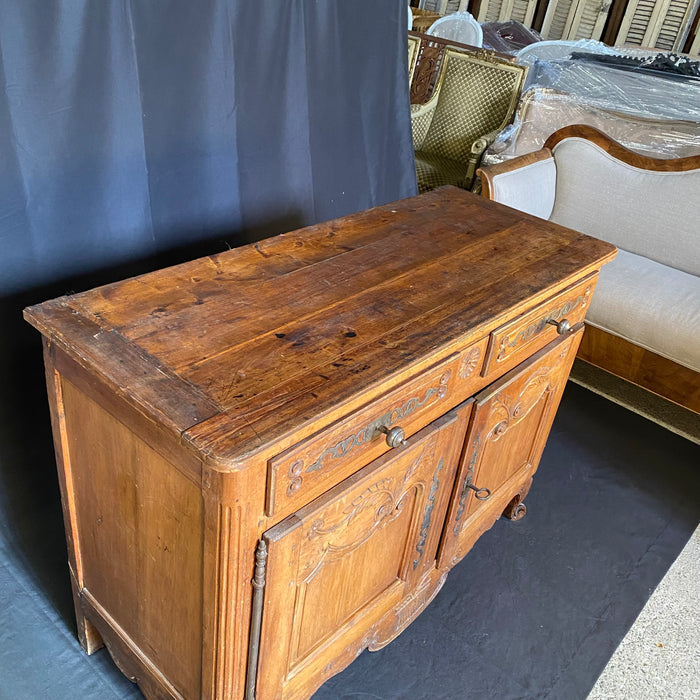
[
  {"x": 530, "y": 188},
  {"x": 650, "y": 294},
  {"x": 654, "y": 214},
  {"x": 650, "y": 304}
]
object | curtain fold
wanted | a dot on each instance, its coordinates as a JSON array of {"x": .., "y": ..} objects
[{"x": 132, "y": 127}]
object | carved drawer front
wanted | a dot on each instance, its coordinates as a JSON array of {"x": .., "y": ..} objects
[
  {"x": 519, "y": 338},
  {"x": 509, "y": 427},
  {"x": 339, "y": 568},
  {"x": 308, "y": 469}
]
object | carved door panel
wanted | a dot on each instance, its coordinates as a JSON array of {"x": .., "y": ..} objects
[
  {"x": 354, "y": 567},
  {"x": 508, "y": 431}
]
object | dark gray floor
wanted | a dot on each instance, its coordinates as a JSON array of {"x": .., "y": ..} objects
[{"x": 534, "y": 611}]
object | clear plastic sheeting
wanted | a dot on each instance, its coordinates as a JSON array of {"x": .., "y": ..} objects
[
  {"x": 542, "y": 111},
  {"x": 508, "y": 37},
  {"x": 460, "y": 27},
  {"x": 635, "y": 92},
  {"x": 556, "y": 50},
  {"x": 649, "y": 111}
]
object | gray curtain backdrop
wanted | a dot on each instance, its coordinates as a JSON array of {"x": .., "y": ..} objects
[
  {"x": 134, "y": 134},
  {"x": 132, "y": 126}
]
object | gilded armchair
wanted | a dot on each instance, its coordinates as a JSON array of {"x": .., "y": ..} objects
[{"x": 475, "y": 98}]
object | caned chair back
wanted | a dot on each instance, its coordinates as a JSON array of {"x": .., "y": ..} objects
[{"x": 477, "y": 94}]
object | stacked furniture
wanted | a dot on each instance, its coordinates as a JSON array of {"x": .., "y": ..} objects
[
  {"x": 644, "y": 324},
  {"x": 429, "y": 60},
  {"x": 475, "y": 98},
  {"x": 647, "y": 101},
  {"x": 459, "y": 26},
  {"x": 542, "y": 111}
]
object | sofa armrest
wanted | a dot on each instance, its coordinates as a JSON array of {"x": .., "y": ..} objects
[{"x": 527, "y": 183}]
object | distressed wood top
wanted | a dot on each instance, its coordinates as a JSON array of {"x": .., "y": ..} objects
[{"x": 238, "y": 349}]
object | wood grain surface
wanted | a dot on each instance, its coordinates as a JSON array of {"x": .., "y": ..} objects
[{"x": 244, "y": 336}]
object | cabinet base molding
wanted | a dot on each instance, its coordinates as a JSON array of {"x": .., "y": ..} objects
[
  {"x": 128, "y": 656},
  {"x": 408, "y": 610}
]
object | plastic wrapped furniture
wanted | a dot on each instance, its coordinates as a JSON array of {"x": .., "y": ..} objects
[
  {"x": 475, "y": 98},
  {"x": 644, "y": 321},
  {"x": 460, "y": 26},
  {"x": 634, "y": 92},
  {"x": 508, "y": 37},
  {"x": 542, "y": 111},
  {"x": 558, "y": 49}
]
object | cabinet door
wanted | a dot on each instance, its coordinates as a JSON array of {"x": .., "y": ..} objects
[
  {"x": 508, "y": 431},
  {"x": 355, "y": 566}
]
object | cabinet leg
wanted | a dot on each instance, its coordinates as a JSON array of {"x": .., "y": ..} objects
[
  {"x": 88, "y": 636},
  {"x": 516, "y": 509}
]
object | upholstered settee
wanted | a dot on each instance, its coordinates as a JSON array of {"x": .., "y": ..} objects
[{"x": 644, "y": 319}]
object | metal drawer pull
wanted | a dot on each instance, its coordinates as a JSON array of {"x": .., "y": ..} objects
[
  {"x": 563, "y": 326},
  {"x": 395, "y": 437},
  {"x": 481, "y": 494}
]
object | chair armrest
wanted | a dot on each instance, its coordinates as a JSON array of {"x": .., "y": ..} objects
[
  {"x": 421, "y": 118},
  {"x": 527, "y": 183},
  {"x": 476, "y": 152}
]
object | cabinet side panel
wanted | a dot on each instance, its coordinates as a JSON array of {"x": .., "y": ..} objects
[{"x": 139, "y": 522}]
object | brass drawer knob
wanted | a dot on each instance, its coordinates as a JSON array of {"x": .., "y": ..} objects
[
  {"x": 395, "y": 437},
  {"x": 563, "y": 326},
  {"x": 481, "y": 494}
]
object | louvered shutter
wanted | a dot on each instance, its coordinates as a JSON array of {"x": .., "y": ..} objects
[
  {"x": 502, "y": 10},
  {"x": 444, "y": 7},
  {"x": 575, "y": 19},
  {"x": 695, "y": 46},
  {"x": 659, "y": 24}
]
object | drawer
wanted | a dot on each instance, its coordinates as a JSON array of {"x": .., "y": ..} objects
[
  {"x": 518, "y": 339},
  {"x": 306, "y": 470}
]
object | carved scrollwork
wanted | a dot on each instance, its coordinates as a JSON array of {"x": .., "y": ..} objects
[
  {"x": 468, "y": 479},
  {"x": 427, "y": 516},
  {"x": 367, "y": 433},
  {"x": 557, "y": 314},
  {"x": 553, "y": 316},
  {"x": 377, "y": 506},
  {"x": 469, "y": 363},
  {"x": 295, "y": 477},
  {"x": 507, "y": 411},
  {"x": 408, "y": 609}
]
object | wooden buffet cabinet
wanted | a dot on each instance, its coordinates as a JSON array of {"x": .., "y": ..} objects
[{"x": 271, "y": 458}]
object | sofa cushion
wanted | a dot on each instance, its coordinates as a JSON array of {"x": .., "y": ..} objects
[
  {"x": 652, "y": 305},
  {"x": 654, "y": 214}
]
